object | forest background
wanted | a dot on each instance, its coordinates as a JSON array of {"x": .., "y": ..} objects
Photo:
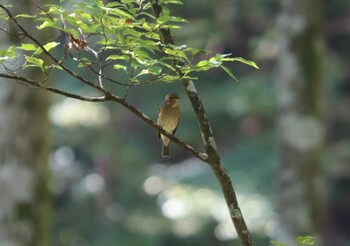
[{"x": 109, "y": 185}]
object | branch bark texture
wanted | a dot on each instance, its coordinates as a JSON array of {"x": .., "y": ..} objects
[{"x": 214, "y": 159}]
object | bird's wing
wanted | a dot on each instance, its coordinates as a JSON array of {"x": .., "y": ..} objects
[
  {"x": 177, "y": 125},
  {"x": 158, "y": 133}
]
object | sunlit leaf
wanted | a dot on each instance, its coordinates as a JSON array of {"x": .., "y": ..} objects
[
  {"x": 176, "y": 53},
  {"x": 113, "y": 4},
  {"x": 155, "y": 70},
  {"x": 57, "y": 67},
  {"x": 47, "y": 23},
  {"x": 118, "y": 12},
  {"x": 118, "y": 66},
  {"x": 25, "y": 16},
  {"x": 229, "y": 72},
  {"x": 245, "y": 61},
  {"x": 118, "y": 57},
  {"x": 34, "y": 62},
  {"x": 215, "y": 61},
  {"x": 50, "y": 45},
  {"x": 172, "y": 1},
  {"x": 7, "y": 54},
  {"x": 27, "y": 47},
  {"x": 170, "y": 78},
  {"x": 163, "y": 19},
  {"x": 202, "y": 66},
  {"x": 54, "y": 9},
  {"x": 305, "y": 240}
]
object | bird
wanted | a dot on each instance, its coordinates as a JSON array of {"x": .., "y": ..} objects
[{"x": 168, "y": 118}]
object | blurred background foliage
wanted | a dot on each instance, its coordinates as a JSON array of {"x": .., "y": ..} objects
[{"x": 109, "y": 183}]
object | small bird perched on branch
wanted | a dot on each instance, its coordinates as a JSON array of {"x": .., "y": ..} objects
[{"x": 168, "y": 117}]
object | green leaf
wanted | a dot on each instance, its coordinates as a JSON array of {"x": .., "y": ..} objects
[
  {"x": 305, "y": 240},
  {"x": 50, "y": 45},
  {"x": 163, "y": 19},
  {"x": 245, "y": 61},
  {"x": 113, "y": 4},
  {"x": 25, "y": 16},
  {"x": 178, "y": 19},
  {"x": 172, "y": 1},
  {"x": 27, "y": 47},
  {"x": 118, "y": 57},
  {"x": 7, "y": 54},
  {"x": 144, "y": 72},
  {"x": 57, "y": 67},
  {"x": 118, "y": 12},
  {"x": 196, "y": 51},
  {"x": 170, "y": 78},
  {"x": 170, "y": 26},
  {"x": 215, "y": 61},
  {"x": 228, "y": 71},
  {"x": 189, "y": 77},
  {"x": 201, "y": 66},
  {"x": 176, "y": 53},
  {"x": 34, "y": 62},
  {"x": 47, "y": 46},
  {"x": 54, "y": 9},
  {"x": 128, "y": 1},
  {"x": 118, "y": 66},
  {"x": 47, "y": 23},
  {"x": 3, "y": 15},
  {"x": 155, "y": 70}
]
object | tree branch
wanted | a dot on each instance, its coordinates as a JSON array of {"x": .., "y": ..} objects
[
  {"x": 34, "y": 84},
  {"x": 208, "y": 139},
  {"x": 57, "y": 62},
  {"x": 110, "y": 97}
]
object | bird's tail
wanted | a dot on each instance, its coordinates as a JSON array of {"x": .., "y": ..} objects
[{"x": 166, "y": 151}]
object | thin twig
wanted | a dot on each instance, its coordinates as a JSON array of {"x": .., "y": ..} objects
[
  {"x": 34, "y": 84},
  {"x": 70, "y": 72}
]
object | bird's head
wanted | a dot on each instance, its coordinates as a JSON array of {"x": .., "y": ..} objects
[{"x": 172, "y": 99}]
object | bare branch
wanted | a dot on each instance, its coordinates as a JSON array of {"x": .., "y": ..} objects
[{"x": 34, "y": 84}]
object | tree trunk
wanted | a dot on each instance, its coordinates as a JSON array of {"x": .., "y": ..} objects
[
  {"x": 300, "y": 123},
  {"x": 24, "y": 146}
]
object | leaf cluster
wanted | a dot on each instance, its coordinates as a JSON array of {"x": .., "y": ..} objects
[
  {"x": 300, "y": 241},
  {"x": 122, "y": 35}
]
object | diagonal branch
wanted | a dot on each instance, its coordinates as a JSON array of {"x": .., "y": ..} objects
[
  {"x": 110, "y": 97},
  {"x": 34, "y": 84},
  {"x": 214, "y": 159}
]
